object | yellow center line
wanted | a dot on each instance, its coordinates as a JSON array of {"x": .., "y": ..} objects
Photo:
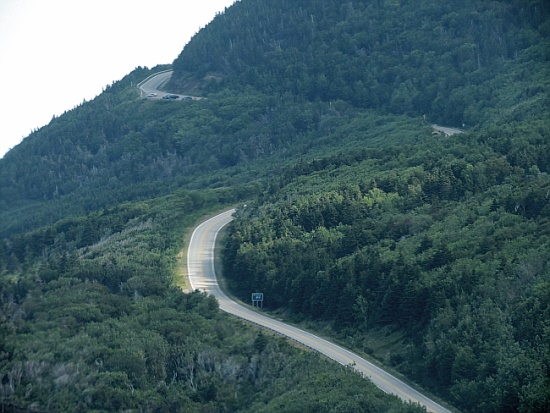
[
  {"x": 203, "y": 242},
  {"x": 346, "y": 354}
]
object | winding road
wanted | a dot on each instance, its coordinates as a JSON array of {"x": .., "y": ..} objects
[
  {"x": 150, "y": 87},
  {"x": 202, "y": 276}
]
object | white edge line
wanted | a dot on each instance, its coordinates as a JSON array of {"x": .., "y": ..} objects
[{"x": 347, "y": 352}]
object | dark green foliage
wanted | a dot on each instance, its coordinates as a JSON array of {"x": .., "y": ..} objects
[
  {"x": 92, "y": 324},
  {"x": 358, "y": 217},
  {"x": 436, "y": 58},
  {"x": 468, "y": 62},
  {"x": 450, "y": 245}
]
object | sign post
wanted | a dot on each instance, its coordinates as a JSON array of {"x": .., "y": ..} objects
[{"x": 258, "y": 300}]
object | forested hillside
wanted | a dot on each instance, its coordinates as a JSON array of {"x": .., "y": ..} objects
[
  {"x": 426, "y": 252},
  {"x": 456, "y": 62},
  {"x": 443, "y": 244},
  {"x": 90, "y": 321}
]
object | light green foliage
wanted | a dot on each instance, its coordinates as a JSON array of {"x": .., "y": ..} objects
[
  {"x": 90, "y": 322},
  {"x": 448, "y": 245},
  {"x": 317, "y": 116}
]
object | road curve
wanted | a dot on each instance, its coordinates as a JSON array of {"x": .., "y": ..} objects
[
  {"x": 202, "y": 276},
  {"x": 150, "y": 87},
  {"x": 153, "y": 83}
]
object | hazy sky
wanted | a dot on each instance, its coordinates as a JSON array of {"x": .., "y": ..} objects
[{"x": 54, "y": 54}]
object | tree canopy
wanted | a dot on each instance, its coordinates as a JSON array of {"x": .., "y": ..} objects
[{"x": 426, "y": 252}]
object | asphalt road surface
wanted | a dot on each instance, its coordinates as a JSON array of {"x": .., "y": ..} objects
[
  {"x": 150, "y": 87},
  {"x": 153, "y": 83},
  {"x": 446, "y": 130},
  {"x": 202, "y": 276}
]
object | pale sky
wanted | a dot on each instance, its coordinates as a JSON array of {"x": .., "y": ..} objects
[{"x": 54, "y": 54}]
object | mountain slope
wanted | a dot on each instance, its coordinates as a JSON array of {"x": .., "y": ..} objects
[
  {"x": 429, "y": 253},
  {"x": 433, "y": 58},
  {"x": 469, "y": 63}
]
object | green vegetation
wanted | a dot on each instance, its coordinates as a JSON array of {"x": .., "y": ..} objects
[
  {"x": 429, "y": 253},
  {"x": 453, "y": 61},
  {"x": 101, "y": 328},
  {"x": 449, "y": 250}
]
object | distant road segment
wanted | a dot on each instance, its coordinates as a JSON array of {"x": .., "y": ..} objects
[
  {"x": 150, "y": 88},
  {"x": 202, "y": 276},
  {"x": 153, "y": 83},
  {"x": 447, "y": 130}
]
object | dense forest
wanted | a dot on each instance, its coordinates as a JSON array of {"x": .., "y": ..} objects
[
  {"x": 448, "y": 60},
  {"x": 427, "y": 253},
  {"x": 444, "y": 244},
  {"x": 91, "y": 321}
]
